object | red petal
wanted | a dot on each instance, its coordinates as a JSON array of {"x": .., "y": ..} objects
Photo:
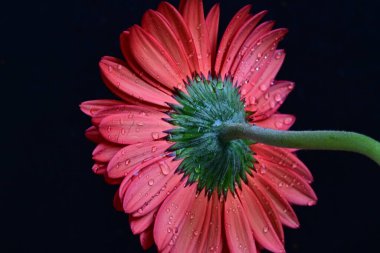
[
  {"x": 146, "y": 239},
  {"x": 178, "y": 207},
  {"x": 284, "y": 210},
  {"x": 260, "y": 224},
  {"x": 141, "y": 223},
  {"x": 146, "y": 53},
  {"x": 151, "y": 187},
  {"x": 127, "y": 85},
  {"x": 268, "y": 207},
  {"x": 193, "y": 15},
  {"x": 104, "y": 152},
  {"x": 93, "y": 135},
  {"x": 293, "y": 187},
  {"x": 182, "y": 32},
  {"x": 283, "y": 157},
  {"x": 250, "y": 41},
  {"x": 133, "y": 155},
  {"x": 124, "y": 129},
  {"x": 99, "y": 168},
  {"x": 260, "y": 55},
  {"x": 91, "y": 107},
  {"x": 261, "y": 80},
  {"x": 237, "y": 21},
  {"x": 211, "y": 227},
  {"x": 212, "y": 23},
  {"x": 269, "y": 103},
  {"x": 277, "y": 121},
  {"x": 238, "y": 232},
  {"x": 131, "y": 110},
  {"x": 237, "y": 41},
  {"x": 156, "y": 24}
]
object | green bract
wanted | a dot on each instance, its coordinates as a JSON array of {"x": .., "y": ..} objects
[{"x": 198, "y": 119}]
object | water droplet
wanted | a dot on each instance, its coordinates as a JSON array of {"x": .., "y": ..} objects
[
  {"x": 290, "y": 86},
  {"x": 278, "y": 124},
  {"x": 167, "y": 209},
  {"x": 164, "y": 168},
  {"x": 288, "y": 120},
  {"x": 192, "y": 216},
  {"x": 122, "y": 131},
  {"x": 154, "y": 149},
  {"x": 118, "y": 66},
  {"x": 280, "y": 184},
  {"x": 252, "y": 100},
  {"x": 311, "y": 203},
  {"x": 109, "y": 128},
  {"x": 278, "y": 97},
  {"x": 110, "y": 68},
  {"x": 169, "y": 230},
  {"x": 140, "y": 211},
  {"x": 278, "y": 55},
  {"x": 265, "y": 229},
  {"x": 127, "y": 162},
  {"x": 151, "y": 182},
  {"x": 155, "y": 135},
  {"x": 196, "y": 233},
  {"x": 243, "y": 92},
  {"x": 263, "y": 87},
  {"x": 140, "y": 124},
  {"x": 171, "y": 242}
]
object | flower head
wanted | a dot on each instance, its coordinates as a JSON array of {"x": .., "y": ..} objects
[{"x": 181, "y": 184}]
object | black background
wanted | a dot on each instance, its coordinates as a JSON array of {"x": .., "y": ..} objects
[{"x": 49, "y": 51}]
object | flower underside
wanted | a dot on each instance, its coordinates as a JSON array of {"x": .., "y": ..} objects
[{"x": 201, "y": 112}]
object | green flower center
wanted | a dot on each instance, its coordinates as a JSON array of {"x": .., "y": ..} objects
[{"x": 199, "y": 116}]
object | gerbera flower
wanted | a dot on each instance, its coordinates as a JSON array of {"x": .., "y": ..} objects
[{"x": 186, "y": 189}]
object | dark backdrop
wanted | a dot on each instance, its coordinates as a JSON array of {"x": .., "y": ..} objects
[{"x": 49, "y": 51}]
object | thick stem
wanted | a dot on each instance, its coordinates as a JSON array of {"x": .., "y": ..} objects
[{"x": 318, "y": 140}]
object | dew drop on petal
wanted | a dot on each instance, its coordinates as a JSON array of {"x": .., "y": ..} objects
[
  {"x": 127, "y": 162},
  {"x": 265, "y": 229},
  {"x": 196, "y": 232},
  {"x": 278, "y": 97},
  {"x": 278, "y": 124},
  {"x": 263, "y": 87},
  {"x": 154, "y": 149},
  {"x": 155, "y": 135},
  {"x": 164, "y": 168},
  {"x": 169, "y": 230},
  {"x": 151, "y": 182},
  {"x": 140, "y": 211},
  {"x": 288, "y": 120},
  {"x": 243, "y": 92}
]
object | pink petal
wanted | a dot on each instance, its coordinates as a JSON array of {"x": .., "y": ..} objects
[
  {"x": 91, "y": 107},
  {"x": 93, "y": 135},
  {"x": 237, "y": 21},
  {"x": 146, "y": 238},
  {"x": 129, "y": 157},
  {"x": 269, "y": 103},
  {"x": 182, "y": 32},
  {"x": 178, "y": 207},
  {"x": 238, "y": 232},
  {"x": 151, "y": 187},
  {"x": 252, "y": 39},
  {"x": 156, "y": 24},
  {"x": 141, "y": 223},
  {"x": 239, "y": 38},
  {"x": 147, "y": 53},
  {"x": 193, "y": 15},
  {"x": 257, "y": 57},
  {"x": 125, "y": 83},
  {"x": 268, "y": 207},
  {"x": 293, "y": 187},
  {"x": 131, "y": 110},
  {"x": 283, "y": 157},
  {"x": 212, "y": 23},
  {"x": 123, "y": 129},
  {"x": 283, "y": 208},
  {"x": 211, "y": 227},
  {"x": 104, "y": 152},
  {"x": 277, "y": 121},
  {"x": 260, "y": 224},
  {"x": 99, "y": 168},
  {"x": 117, "y": 204}
]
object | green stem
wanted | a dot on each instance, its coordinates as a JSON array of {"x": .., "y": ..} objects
[{"x": 318, "y": 140}]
